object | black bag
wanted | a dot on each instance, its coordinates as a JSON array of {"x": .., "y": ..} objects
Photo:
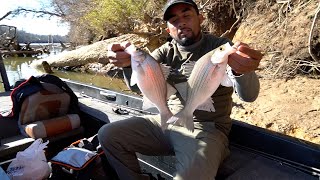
[{"x": 82, "y": 160}]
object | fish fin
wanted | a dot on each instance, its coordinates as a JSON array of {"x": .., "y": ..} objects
[
  {"x": 187, "y": 68},
  {"x": 182, "y": 88},
  {"x": 170, "y": 90},
  {"x": 226, "y": 81},
  {"x": 165, "y": 70},
  {"x": 147, "y": 104},
  {"x": 134, "y": 78},
  {"x": 207, "y": 106}
]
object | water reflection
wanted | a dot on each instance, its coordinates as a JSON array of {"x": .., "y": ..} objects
[{"x": 18, "y": 68}]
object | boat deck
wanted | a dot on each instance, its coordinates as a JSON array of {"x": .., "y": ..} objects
[{"x": 243, "y": 163}]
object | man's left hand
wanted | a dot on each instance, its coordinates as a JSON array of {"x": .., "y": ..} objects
[{"x": 245, "y": 59}]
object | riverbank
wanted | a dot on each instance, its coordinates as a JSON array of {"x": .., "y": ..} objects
[{"x": 290, "y": 107}]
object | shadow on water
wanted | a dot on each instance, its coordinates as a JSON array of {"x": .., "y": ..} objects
[{"x": 18, "y": 68}]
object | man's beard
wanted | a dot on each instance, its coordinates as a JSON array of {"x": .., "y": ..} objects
[{"x": 186, "y": 41}]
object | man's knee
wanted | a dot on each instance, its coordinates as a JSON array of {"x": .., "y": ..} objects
[{"x": 106, "y": 134}]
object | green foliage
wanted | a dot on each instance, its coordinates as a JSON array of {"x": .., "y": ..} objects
[
  {"x": 92, "y": 19},
  {"x": 120, "y": 14}
]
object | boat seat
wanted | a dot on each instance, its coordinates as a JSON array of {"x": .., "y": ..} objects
[{"x": 12, "y": 141}]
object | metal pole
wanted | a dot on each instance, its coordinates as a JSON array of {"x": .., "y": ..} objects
[{"x": 4, "y": 76}]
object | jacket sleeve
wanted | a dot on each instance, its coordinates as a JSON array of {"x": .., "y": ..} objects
[{"x": 247, "y": 86}]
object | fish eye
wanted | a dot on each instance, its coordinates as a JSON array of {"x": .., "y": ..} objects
[{"x": 221, "y": 48}]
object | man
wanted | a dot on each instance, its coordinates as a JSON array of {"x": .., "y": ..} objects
[{"x": 198, "y": 153}]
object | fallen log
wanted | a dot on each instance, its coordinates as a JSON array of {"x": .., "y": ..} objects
[{"x": 96, "y": 52}]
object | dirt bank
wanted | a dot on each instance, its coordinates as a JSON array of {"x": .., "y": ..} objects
[{"x": 291, "y": 107}]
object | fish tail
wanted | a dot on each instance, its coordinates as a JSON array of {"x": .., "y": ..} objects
[
  {"x": 174, "y": 119},
  {"x": 189, "y": 123},
  {"x": 164, "y": 119},
  {"x": 184, "y": 119}
]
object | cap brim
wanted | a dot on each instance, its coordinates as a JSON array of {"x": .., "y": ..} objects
[{"x": 166, "y": 9}]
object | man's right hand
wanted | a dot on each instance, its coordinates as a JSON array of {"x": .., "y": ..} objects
[{"x": 118, "y": 56}]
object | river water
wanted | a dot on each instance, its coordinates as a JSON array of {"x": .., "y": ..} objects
[{"x": 19, "y": 67}]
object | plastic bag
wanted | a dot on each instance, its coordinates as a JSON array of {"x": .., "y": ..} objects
[{"x": 30, "y": 164}]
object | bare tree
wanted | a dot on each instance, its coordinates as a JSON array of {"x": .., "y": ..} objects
[{"x": 6, "y": 15}]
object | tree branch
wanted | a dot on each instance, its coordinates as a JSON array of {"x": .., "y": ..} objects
[
  {"x": 202, "y": 6},
  {"x": 41, "y": 12},
  {"x": 232, "y": 27},
  {"x": 6, "y": 15},
  {"x": 314, "y": 57}
]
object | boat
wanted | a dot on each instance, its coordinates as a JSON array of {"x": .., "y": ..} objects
[{"x": 256, "y": 153}]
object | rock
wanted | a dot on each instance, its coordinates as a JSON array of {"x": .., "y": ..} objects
[{"x": 46, "y": 67}]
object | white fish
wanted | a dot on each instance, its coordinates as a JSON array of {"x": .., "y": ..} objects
[
  {"x": 206, "y": 76},
  {"x": 151, "y": 80}
]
